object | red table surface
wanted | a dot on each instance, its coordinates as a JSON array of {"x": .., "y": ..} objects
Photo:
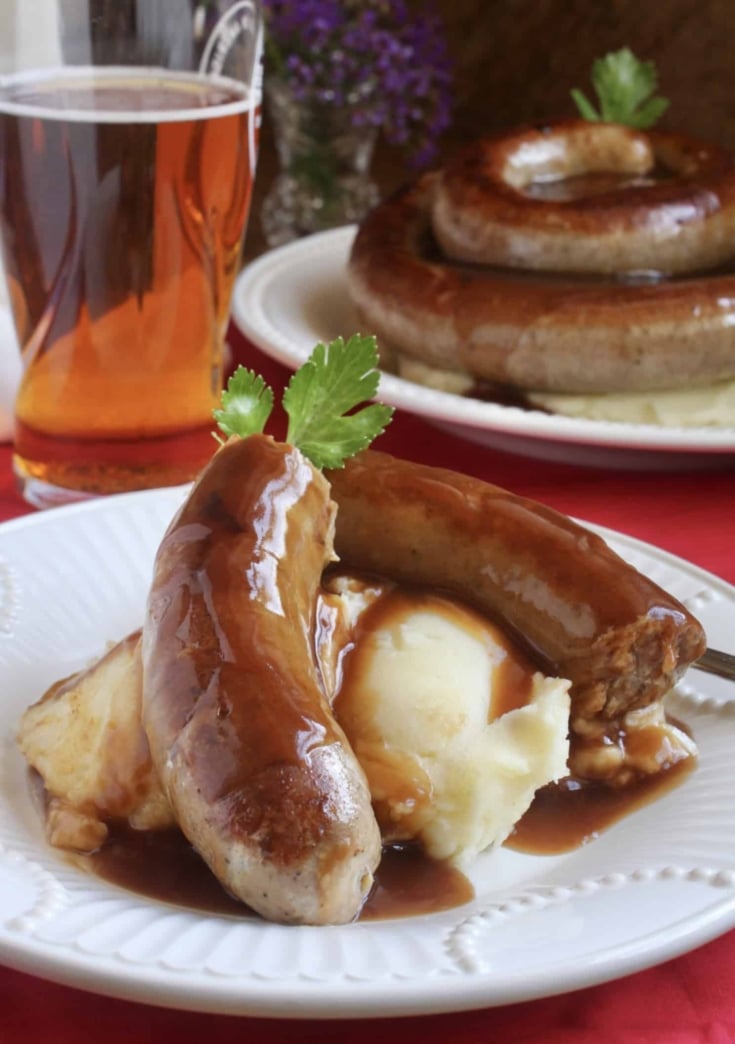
[{"x": 689, "y": 999}]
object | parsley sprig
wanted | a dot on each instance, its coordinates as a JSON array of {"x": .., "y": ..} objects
[
  {"x": 624, "y": 86},
  {"x": 320, "y": 402},
  {"x": 247, "y": 402}
]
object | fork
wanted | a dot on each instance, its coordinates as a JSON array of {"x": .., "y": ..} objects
[{"x": 716, "y": 662}]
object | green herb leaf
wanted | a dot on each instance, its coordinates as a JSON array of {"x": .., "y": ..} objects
[
  {"x": 586, "y": 109},
  {"x": 624, "y": 86},
  {"x": 334, "y": 379},
  {"x": 246, "y": 404}
]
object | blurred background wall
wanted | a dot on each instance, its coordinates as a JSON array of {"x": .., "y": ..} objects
[{"x": 516, "y": 61}]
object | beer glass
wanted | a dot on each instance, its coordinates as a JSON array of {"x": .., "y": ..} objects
[{"x": 128, "y": 136}]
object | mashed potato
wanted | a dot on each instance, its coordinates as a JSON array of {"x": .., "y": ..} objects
[
  {"x": 708, "y": 406},
  {"x": 711, "y": 406},
  {"x": 427, "y": 703}
]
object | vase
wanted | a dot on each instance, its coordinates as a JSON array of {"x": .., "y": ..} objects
[{"x": 324, "y": 151}]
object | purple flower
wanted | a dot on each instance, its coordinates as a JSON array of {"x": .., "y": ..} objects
[{"x": 335, "y": 49}]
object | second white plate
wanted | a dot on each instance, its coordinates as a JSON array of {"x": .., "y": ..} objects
[{"x": 292, "y": 297}]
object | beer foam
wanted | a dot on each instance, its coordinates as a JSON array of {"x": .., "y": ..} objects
[{"x": 145, "y": 80}]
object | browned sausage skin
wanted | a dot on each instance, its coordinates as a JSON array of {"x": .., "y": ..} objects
[
  {"x": 536, "y": 331},
  {"x": 576, "y": 606},
  {"x": 621, "y": 200},
  {"x": 261, "y": 778}
]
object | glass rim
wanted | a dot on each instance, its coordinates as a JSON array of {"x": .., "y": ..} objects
[{"x": 244, "y": 103}]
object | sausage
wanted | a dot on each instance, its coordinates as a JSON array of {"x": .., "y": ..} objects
[
  {"x": 261, "y": 778},
  {"x": 534, "y": 331},
  {"x": 656, "y": 201},
  {"x": 576, "y": 607}
]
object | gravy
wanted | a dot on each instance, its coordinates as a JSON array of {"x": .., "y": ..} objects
[
  {"x": 565, "y": 815},
  {"x": 162, "y": 865}
]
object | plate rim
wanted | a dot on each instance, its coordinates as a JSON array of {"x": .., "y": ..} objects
[
  {"x": 358, "y": 999},
  {"x": 251, "y": 319}
]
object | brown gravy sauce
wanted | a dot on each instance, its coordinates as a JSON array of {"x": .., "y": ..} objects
[
  {"x": 162, "y": 865},
  {"x": 565, "y": 815}
]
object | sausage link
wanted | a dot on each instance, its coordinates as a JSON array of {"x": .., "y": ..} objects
[
  {"x": 578, "y": 609},
  {"x": 262, "y": 780},
  {"x": 655, "y": 201},
  {"x": 536, "y": 331}
]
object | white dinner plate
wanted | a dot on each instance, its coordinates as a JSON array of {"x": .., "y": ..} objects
[
  {"x": 292, "y": 297},
  {"x": 657, "y": 884}
]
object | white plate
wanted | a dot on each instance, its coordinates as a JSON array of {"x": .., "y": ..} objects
[
  {"x": 296, "y": 295},
  {"x": 655, "y": 885}
]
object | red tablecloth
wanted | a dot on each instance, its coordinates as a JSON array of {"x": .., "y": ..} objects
[{"x": 687, "y": 1000}]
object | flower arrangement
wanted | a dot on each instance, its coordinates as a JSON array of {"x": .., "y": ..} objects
[{"x": 369, "y": 52}]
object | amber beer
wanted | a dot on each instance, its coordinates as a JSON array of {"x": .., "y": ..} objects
[{"x": 123, "y": 200}]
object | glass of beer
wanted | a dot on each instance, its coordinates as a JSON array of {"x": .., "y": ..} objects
[{"x": 128, "y": 139}]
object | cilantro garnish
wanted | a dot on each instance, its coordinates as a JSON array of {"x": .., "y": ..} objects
[
  {"x": 333, "y": 380},
  {"x": 247, "y": 402},
  {"x": 318, "y": 399},
  {"x": 624, "y": 86}
]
